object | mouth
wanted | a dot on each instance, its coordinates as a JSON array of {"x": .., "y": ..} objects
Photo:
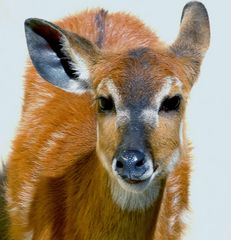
[
  {"x": 141, "y": 179},
  {"x": 137, "y": 185},
  {"x": 130, "y": 181}
]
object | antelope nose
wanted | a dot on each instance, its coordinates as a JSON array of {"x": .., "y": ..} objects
[{"x": 131, "y": 164}]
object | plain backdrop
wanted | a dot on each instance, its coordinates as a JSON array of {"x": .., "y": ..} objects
[{"x": 208, "y": 114}]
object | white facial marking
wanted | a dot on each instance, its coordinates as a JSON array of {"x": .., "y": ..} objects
[
  {"x": 122, "y": 117},
  {"x": 164, "y": 90},
  {"x": 169, "y": 82},
  {"x": 132, "y": 200},
  {"x": 114, "y": 92},
  {"x": 135, "y": 196},
  {"x": 178, "y": 82},
  {"x": 122, "y": 113},
  {"x": 174, "y": 160},
  {"x": 149, "y": 116}
]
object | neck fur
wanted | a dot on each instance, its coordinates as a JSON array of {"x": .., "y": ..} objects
[{"x": 111, "y": 212}]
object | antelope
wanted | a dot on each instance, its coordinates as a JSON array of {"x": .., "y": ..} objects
[{"x": 101, "y": 150}]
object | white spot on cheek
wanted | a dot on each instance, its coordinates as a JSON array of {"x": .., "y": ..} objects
[
  {"x": 149, "y": 116},
  {"x": 122, "y": 117}
]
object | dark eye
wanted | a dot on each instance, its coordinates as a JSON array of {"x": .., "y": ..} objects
[
  {"x": 171, "y": 104},
  {"x": 105, "y": 104}
]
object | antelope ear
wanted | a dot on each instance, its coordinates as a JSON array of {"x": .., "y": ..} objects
[
  {"x": 194, "y": 37},
  {"x": 60, "y": 57}
]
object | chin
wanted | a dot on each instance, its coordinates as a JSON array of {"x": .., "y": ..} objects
[
  {"x": 135, "y": 196},
  {"x": 138, "y": 186}
]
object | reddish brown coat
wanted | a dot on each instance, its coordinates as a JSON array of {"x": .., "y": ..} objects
[{"x": 56, "y": 186}]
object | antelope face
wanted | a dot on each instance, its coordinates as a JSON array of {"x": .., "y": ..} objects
[
  {"x": 139, "y": 114},
  {"x": 140, "y": 97}
]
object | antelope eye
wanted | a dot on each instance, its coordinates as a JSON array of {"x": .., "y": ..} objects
[
  {"x": 105, "y": 104},
  {"x": 171, "y": 104}
]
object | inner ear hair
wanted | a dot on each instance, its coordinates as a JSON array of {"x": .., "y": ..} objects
[{"x": 60, "y": 57}]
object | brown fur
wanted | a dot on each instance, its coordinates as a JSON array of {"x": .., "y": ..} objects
[{"x": 57, "y": 187}]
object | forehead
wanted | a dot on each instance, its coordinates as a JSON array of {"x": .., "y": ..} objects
[{"x": 137, "y": 77}]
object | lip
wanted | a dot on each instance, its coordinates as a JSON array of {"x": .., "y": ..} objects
[
  {"x": 141, "y": 181},
  {"x": 135, "y": 185},
  {"x": 140, "y": 185},
  {"x": 134, "y": 181}
]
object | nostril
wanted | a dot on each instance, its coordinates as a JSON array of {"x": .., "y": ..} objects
[
  {"x": 139, "y": 163},
  {"x": 119, "y": 164}
]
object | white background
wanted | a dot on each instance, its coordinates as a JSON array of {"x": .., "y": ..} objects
[{"x": 209, "y": 116}]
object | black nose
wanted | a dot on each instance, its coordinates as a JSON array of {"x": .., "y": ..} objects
[{"x": 131, "y": 164}]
